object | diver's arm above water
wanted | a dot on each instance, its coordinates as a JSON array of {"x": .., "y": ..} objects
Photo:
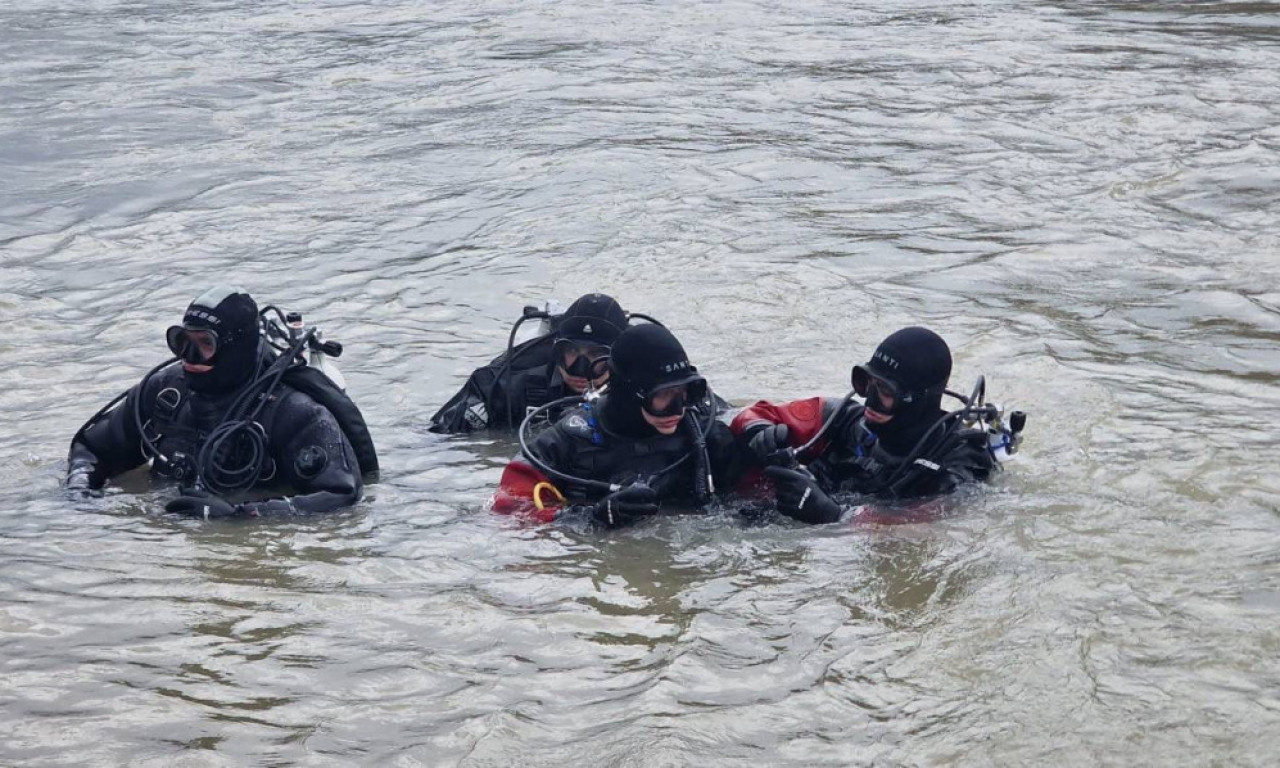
[
  {"x": 803, "y": 418},
  {"x": 765, "y": 429},
  {"x": 467, "y": 410},
  {"x": 111, "y": 444}
]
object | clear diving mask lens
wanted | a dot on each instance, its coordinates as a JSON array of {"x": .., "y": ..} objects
[
  {"x": 197, "y": 346},
  {"x": 672, "y": 401},
  {"x": 582, "y": 361},
  {"x": 880, "y": 394}
]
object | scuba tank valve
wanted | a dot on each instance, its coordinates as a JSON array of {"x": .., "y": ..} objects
[
  {"x": 320, "y": 354},
  {"x": 1003, "y": 441},
  {"x": 551, "y": 309},
  {"x": 293, "y": 321}
]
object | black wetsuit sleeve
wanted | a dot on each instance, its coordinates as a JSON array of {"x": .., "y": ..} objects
[
  {"x": 313, "y": 457},
  {"x": 469, "y": 409},
  {"x": 111, "y": 445}
]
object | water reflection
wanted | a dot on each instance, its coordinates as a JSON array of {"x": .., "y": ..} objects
[{"x": 1077, "y": 196}]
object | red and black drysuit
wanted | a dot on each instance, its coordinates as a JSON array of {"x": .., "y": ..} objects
[{"x": 855, "y": 457}]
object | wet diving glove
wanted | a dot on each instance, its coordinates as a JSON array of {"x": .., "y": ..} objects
[
  {"x": 79, "y": 483},
  {"x": 800, "y": 498},
  {"x": 768, "y": 443},
  {"x": 625, "y": 506}
]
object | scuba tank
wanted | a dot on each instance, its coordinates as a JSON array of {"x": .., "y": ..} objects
[
  {"x": 315, "y": 352},
  {"x": 318, "y": 377},
  {"x": 547, "y": 316}
]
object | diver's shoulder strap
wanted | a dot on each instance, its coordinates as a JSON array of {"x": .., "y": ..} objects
[{"x": 320, "y": 388}]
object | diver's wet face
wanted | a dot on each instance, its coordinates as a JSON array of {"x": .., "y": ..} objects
[{"x": 583, "y": 365}]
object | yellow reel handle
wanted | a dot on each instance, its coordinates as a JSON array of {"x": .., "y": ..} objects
[{"x": 544, "y": 486}]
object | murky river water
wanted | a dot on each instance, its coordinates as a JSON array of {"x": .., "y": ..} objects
[{"x": 1081, "y": 196}]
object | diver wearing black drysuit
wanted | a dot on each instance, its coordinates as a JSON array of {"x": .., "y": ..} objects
[
  {"x": 568, "y": 361},
  {"x": 900, "y": 444},
  {"x": 652, "y": 425},
  {"x": 300, "y": 445}
]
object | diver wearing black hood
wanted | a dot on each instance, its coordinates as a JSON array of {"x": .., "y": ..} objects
[
  {"x": 567, "y": 361},
  {"x": 652, "y": 437},
  {"x": 899, "y": 444},
  {"x": 180, "y": 417}
]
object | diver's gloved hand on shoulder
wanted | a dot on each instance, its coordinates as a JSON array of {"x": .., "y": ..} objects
[
  {"x": 625, "y": 506},
  {"x": 198, "y": 502},
  {"x": 800, "y": 497},
  {"x": 769, "y": 444}
]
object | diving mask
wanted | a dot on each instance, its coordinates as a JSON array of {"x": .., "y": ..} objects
[
  {"x": 672, "y": 401},
  {"x": 880, "y": 394},
  {"x": 582, "y": 361},
  {"x": 197, "y": 346}
]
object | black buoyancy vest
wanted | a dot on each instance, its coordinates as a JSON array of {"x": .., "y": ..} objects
[
  {"x": 599, "y": 455},
  {"x": 174, "y": 422}
]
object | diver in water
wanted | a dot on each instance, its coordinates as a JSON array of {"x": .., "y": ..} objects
[
  {"x": 651, "y": 438},
  {"x": 899, "y": 444},
  {"x": 539, "y": 371},
  {"x": 230, "y": 415}
]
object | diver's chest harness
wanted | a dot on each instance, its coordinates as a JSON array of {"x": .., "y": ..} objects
[
  {"x": 180, "y": 427},
  {"x": 619, "y": 461}
]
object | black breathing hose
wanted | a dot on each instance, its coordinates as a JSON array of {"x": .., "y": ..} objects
[
  {"x": 240, "y": 435},
  {"x": 950, "y": 422},
  {"x": 530, "y": 313},
  {"x": 822, "y": 430},
  {"x": 702, "y": 481},
  {"x": 547, "y": 469},
  {"x": 699, "y": 452}
]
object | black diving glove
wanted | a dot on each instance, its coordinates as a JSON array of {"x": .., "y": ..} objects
[
  {"x": 625, "y": 506},
  {"x": 79, "y": 483},
  {"x": 800, "y": 498},
  {"x": 769, "y": 444},
  {"x": 199, "y": 503}
]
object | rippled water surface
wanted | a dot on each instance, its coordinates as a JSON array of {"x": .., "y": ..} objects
[{"x": 1080, "y": 196}]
